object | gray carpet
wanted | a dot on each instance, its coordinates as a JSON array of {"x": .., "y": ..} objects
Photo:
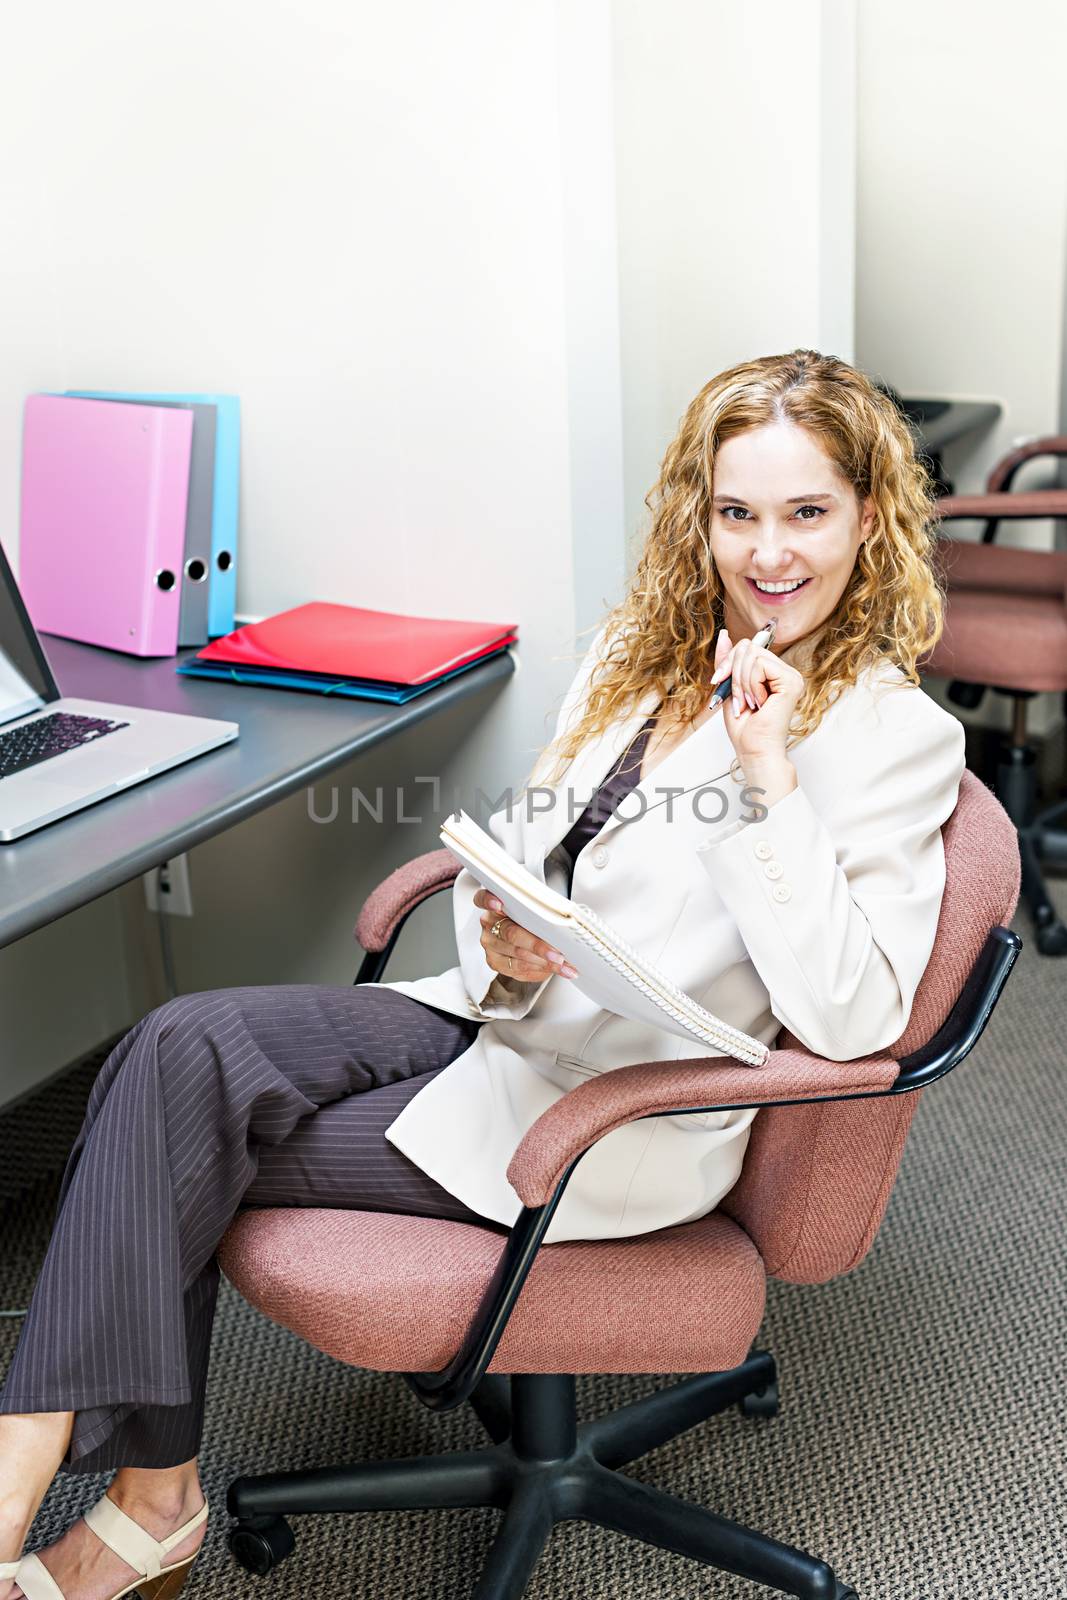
[{"x": 919, "y": 1448}]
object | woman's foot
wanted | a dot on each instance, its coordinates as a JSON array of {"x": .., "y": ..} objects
[
  {"x": 87, "y": 1569},
  {"x": 32, "y": 1445}
]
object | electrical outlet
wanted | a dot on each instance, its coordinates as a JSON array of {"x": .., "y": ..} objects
[{"x": 167, "y": 889}]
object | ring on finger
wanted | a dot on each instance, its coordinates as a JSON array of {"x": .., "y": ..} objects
[{"x": 497, "y": 925}]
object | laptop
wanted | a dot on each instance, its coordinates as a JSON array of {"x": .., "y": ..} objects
[{"x": 58, "y": 754}]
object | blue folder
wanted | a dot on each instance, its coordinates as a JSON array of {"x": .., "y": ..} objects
[
  {"x": 354, "y": 688},
  {"x": 222, "y": 583}
]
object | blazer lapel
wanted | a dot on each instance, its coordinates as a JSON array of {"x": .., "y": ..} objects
[
  {"x": 703, "y": 756},
  {"x": 578, "y": 783}
]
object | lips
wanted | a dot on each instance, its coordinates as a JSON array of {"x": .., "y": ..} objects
[{"x": 775, "y": 599}]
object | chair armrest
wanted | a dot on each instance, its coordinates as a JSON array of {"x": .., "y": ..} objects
[
  {"x": 386, "y": 907},
  {"x": 586, "y": 1113},
  {"x": 1003, "y": 474},
  {"x": 995, "y": 506},
  {"x": 1015, "y": 507},
  {"x": 660, "y": 1088}
]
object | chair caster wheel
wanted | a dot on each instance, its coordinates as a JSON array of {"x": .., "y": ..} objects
[
  {"x": 1052, "y": 938},
  {"x": 260, "y": 1548},
  {"x": 761, "y": 1403}
]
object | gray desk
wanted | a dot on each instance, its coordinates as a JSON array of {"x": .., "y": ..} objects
[
  {"x": 288, "y": 739},
  {"x": 943, "y": 421}
]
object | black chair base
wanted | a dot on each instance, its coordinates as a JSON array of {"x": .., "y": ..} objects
[
  {"x": 543, "y": 1468},
  {"x": 1039, "y": 841}
]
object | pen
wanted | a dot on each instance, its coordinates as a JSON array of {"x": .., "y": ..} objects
[{"x": 763, "y": 638}]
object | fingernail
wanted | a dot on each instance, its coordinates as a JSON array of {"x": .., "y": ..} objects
[
  {"x": 751, "y": 702},
  {"x": 568, "y": 971},
  {"x": 554, "y": 955},
  {"x": 737, "y": 705},
  {"x": 495, "y": 904}
]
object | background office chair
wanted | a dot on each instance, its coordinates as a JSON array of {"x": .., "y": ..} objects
[
  {"x": 443, "y": 1303},
  {"x": 1006, "y": 629}
]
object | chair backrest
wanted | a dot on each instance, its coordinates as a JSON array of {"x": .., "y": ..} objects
[{"x": 816, "y": 1179}]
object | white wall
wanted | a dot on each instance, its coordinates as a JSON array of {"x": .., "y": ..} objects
[
  {"x": 961, "y": 233},
  {"x": 961, "y": 241},
  {"x": 365, "y": 221},
  {"x": 735, "y": 152}
]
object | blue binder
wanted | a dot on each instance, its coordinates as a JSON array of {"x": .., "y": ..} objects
[
  {"x": 354, "y": 688},
  {"x": 222, "y": 584}
]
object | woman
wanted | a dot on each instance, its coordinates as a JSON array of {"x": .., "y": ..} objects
[{"x": 785, "y": 868}]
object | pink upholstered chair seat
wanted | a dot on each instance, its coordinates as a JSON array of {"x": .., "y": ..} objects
[
  {"x": 1015, "y": 641},
  {"x": 397, "y": 1294},
  {"x": 1006, "y": 621}
]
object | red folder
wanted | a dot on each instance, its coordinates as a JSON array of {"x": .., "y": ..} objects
[{"x": 351, "y": 642}]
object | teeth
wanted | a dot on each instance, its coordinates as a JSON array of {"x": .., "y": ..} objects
[{"x": 779, "y": 588}]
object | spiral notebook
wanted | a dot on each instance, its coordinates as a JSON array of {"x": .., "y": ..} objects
[{"x": 609, "y": 970}]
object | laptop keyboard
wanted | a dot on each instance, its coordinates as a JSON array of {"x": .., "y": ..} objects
[{"x": 50, "y": 736}]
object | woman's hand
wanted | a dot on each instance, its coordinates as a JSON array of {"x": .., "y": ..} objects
[
  {"x": 513, "y": 951},
  {"x": 766, "y": 692}
]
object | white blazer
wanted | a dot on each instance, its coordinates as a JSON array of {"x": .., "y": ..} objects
[{"x": 819, "y": 917}]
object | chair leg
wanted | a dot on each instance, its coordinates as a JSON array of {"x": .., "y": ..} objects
[
  {"x": 520, "y": 1539},
  {"x": 656, "y": 1518},
  {"x": 632, "y": 1431},
  {"x": 467, "y": 1478}
]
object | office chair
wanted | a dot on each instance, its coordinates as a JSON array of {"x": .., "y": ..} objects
[
  {"x": 1006, "y": 629},
  {"x": 455, "y": 1311}
]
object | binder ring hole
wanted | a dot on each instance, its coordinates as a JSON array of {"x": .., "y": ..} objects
[
  {"x": 196, "y": 570},
  {"x": 165, "y": 579},
  {"x": 225, "y": 561}
]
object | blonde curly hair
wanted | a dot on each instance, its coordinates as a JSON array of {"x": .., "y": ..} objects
[{"x": 663, "y": 631}]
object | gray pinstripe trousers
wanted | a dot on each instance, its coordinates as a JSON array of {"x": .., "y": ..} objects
[{"x": 264, "y": 1096}]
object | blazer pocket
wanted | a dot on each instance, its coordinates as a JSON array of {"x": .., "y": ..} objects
[{"x": 576, "y": 1065}]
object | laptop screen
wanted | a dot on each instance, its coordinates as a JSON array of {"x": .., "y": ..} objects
[{"x": 25, "y": 680}]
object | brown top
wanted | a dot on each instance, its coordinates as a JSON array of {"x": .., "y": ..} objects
[{"x": 618, "y": 782}]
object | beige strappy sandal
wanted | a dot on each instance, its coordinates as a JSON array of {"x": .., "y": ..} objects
[{"x": 129, "y": 1540}]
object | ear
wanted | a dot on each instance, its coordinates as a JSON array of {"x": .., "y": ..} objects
[{"x": 867, "y": 518}]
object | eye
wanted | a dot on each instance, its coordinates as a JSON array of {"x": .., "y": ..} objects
[
  {"x": 820, "y": 511},
  {"x": 726, "y": 513}
]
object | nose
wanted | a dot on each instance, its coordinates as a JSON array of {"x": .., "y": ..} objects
[{"x": 771, "y": 556}]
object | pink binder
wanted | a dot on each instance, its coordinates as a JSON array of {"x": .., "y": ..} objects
[{"x": 102, "y": 532}]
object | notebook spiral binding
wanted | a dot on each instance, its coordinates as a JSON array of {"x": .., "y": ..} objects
[{"x": 624, "y": 958}]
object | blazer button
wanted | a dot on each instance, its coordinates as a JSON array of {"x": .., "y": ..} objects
[
  {"x": 781, "y": 892},
  {"x": 763, "y": 849},
  {"x": 600, "y": 856},
  {"x": 773, "y": 869}
]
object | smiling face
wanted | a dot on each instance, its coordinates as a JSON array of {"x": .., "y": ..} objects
[{"x": 785, "y": 518}]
